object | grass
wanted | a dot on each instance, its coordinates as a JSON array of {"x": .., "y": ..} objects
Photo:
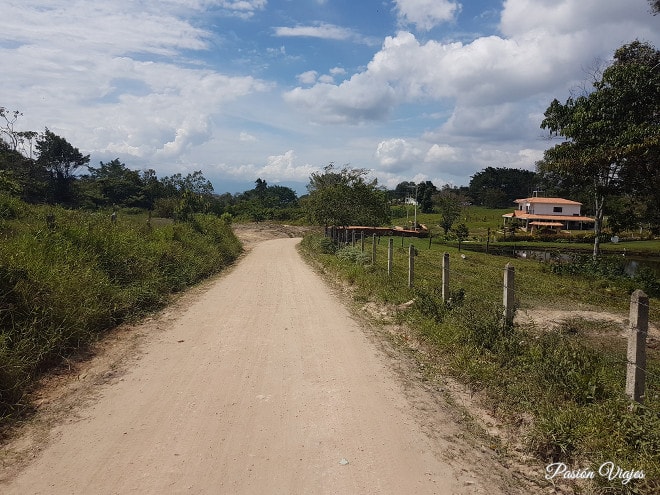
[
  {"x": 479, "y": 219},
  {"x": 66, "y": 276},
  {"x": 570, "y": 380}
]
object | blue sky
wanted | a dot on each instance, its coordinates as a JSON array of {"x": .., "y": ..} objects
[{"x": 410, "y": 89}]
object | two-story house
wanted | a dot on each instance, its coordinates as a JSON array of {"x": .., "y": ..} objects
[{"x": 549, "y": 213}]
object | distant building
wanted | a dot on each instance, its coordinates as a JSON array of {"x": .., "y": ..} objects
[{"x": 549, "y": 213}]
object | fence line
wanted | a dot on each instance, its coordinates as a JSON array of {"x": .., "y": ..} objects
[
  {"x": 422, "y": 261},
  {"x": 635, "y": 361}
]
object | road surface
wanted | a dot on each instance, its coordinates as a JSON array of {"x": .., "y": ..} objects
[{"x": 262, "y": 384}]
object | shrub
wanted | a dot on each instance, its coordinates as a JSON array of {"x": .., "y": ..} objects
[
  {"x": 318, "y": 244},
  {"x": 353, "y": 255}
]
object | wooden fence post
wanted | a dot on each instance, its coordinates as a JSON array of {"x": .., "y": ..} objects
[
  {"x": 411, "y": 265},
  {"x": 509, "y": 294},
  {"x": 390, "y": 256},
  {"x": 352, "y": 238},
  {"x": 445, "y": 277},
  {"x": 362, "y": 240},
  {"x": 639, "y": 327},
  {"x": 373, "y": 249}
]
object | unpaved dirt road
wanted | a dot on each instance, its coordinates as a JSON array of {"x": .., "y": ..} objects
[{"x": 262, "y": 384}]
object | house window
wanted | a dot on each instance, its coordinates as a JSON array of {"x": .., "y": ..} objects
[{"x": 556, "y": 209}]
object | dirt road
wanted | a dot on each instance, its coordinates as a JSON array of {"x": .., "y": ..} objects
[{"x": 262, "y": 384}]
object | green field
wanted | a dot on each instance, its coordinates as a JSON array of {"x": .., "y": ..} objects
[{"x": 479, "y": 220}]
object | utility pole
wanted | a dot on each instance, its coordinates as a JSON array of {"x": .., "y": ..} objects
[
  {"x": 415, "y": 219},
  {"x": 416, "y": 186}
]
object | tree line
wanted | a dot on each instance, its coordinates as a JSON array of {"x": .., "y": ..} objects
[
  {"x": 609, "y": 160},
  {"x": 44, "y": 168}
]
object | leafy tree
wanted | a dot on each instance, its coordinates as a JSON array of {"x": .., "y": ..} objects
[
  {"x": 403, "y": 190},
  {"x": 462, "y": 233},
  {"x": 500, "y": 187},
  {"x": 180, "y": 196},
  {"x": 21, "y": 175},
  {"x": 152, "y": 188},
  {"x": 612, "y": 134},
  {"x": 9, "y": 184},
  {"x": 449, "y": 206},
  {"x": 281, "y": 197},
  {"x": 61, "y": 160},
  {"x": 425, "y": 192},
  {"x": 260, "y": 188},
  {"x": 345, "y": 197},
  {"x": 117, "y": 184},
  {"x": 196, "y": 191}
]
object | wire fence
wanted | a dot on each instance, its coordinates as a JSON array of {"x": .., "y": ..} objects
[{"x": 489, "y": 284}]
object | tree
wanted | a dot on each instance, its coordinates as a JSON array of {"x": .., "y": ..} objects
[
  {"x": 612, "y": 134},
  {"x": 260, "y": 188},
  {"x": 655, "y": 6},
  {"x": 462, "y": 233},
  {"x": 195, "y": 195},
  {"x": 345, "y": 197},
  {"x": 117, "y": 184},
  {"x": 403, "y": 190},
  {"x": 7, "y": 132},
  {"x": 500, "y": 187},
  {"x": 425, "y": 192},
  {"x": 281, "y": 197},
  {"x": 61, "y": 160},
  {"x": 449, "y": 206}
]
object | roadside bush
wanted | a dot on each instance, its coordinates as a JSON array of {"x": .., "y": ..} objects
[
  {"x": 353, "y": 255},
  {"x": 480, "y": 324},
  {"x": 429, "y": 302},
  {"x": 318, "y": 244}
]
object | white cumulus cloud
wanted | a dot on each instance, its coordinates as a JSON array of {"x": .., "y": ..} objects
[{"x": 426, "y": 14}]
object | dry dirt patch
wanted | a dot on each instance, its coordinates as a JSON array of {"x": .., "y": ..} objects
[{"x": 253, "y": 233}]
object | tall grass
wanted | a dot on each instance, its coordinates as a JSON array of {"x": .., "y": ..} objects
[
  {"x": 64, "y": 283},
  {"x": 569, "y": 381}
]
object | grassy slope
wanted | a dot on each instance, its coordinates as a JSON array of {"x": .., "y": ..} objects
[{"x": 61, "y": 287}]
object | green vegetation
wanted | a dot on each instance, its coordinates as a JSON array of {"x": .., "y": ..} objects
[
  {"x": 66, "y": 276},
  {"x": 500, "y": 187},
  {"x": 563, "y": 389},
  {"x": 612, "y": 141},
  {"x": 345, "y": 197},
  {"x": 57, "y": 176}
]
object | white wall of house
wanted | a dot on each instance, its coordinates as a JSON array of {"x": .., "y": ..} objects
[{"x": 550, "y": 209}]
